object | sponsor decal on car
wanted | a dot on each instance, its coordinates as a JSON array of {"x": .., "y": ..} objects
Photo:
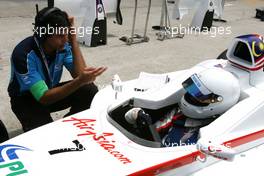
[
  {"x": 10, "y": 160},
  {"x": 79, "y": 147},
  {"x": 104, "y": 140}
]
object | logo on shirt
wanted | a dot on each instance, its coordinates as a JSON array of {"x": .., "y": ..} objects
[
  {"x": 26, "y": 79},
  {"x": 58, "y": 67}
]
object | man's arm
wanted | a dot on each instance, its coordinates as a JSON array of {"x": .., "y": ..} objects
[
  {"x": 55, "y": 94},
  {"x": 78, "y": 59},
  {"x": 29, "y": 79},
  {"x": 81, "y": 74}
]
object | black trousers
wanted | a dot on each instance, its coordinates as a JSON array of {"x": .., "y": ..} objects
[
  {"x": 32, "y": 114},
  {"x": 3, "y": 132}
]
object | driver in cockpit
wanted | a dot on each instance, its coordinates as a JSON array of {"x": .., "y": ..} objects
[{"x": 208, "y": 94}]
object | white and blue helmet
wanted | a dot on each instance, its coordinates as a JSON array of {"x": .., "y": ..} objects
[{"x": 209, "y": 93}]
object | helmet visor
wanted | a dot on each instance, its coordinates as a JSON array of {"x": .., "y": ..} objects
[{"x": 199, "y": 91}]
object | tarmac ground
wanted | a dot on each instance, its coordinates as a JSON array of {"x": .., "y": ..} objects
[{"x": 17, "y": 16}]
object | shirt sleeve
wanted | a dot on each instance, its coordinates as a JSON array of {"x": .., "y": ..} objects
[
  {"x": 28, "y": 76},
  {"x": 68, "y": 59}
]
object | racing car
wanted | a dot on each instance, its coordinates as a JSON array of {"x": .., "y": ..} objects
[{"x": 120, "y": 133}]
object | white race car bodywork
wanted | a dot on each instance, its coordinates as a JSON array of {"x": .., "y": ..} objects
[
  {"x": 78, "y": 8},
  {"x": 93, "y": 143},
  {"x": 183, "y": 7}
]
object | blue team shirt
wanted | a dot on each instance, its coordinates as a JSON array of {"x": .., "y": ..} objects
[{"x": 27, "y": 67}]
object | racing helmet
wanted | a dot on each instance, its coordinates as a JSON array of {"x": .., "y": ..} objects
[{"x": 209, "y": 93}]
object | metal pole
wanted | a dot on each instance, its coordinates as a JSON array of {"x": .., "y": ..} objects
[
  {"x": 146, "y": 25},
  {"x": 168, "y": 15},
  {"x": 162, "y": 15},
  {"x": 134, "y": 20}
]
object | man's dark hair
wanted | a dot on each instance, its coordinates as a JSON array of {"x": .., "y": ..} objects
[{"x": 50, "y": 17}]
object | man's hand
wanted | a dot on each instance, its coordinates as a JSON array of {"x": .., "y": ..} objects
[
  {"x": 72, "y": 31},
  {"x": 71, "y": 20},
  {"x": 89, "y": 74}
]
